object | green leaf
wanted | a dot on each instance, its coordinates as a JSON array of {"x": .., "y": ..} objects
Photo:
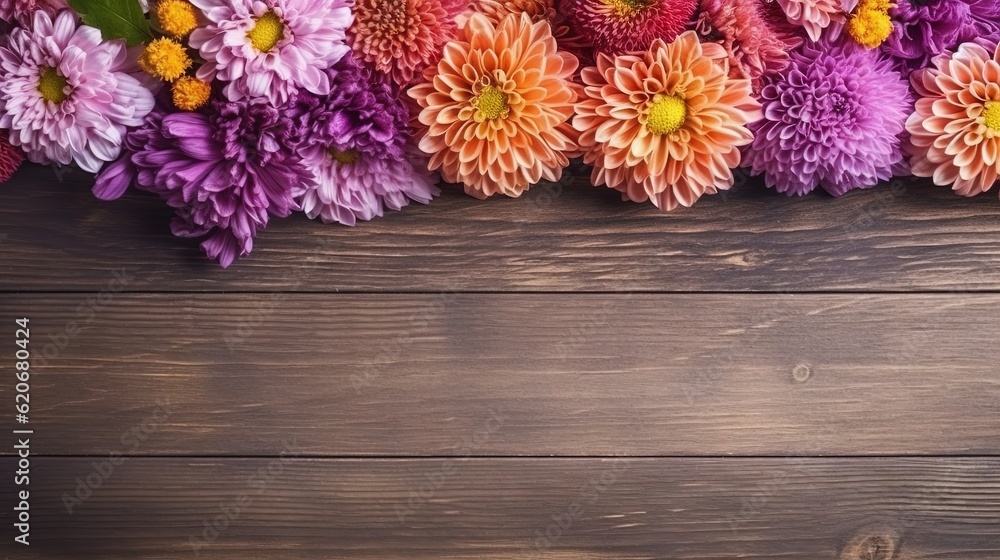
[{"x": 117, "y": 19}]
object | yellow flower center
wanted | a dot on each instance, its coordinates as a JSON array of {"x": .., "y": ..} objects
[
  {"x": 869, "y": 27},
  {"x": 626, "y": 8},
  {"x": 991, "y": 116},
  {"x": 492, "y": 103},
  {"x": 667, "y": 114},
  {"x": 345, "y": 157},
  {"x": 176, "y": 17},
  {"x": 165, "y": 59},
  {"x": 266, "y": 32},
  {"x": 52, "y": 86},
  {"x": 190, "y": 93}
]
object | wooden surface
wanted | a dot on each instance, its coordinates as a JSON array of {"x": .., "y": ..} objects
[{"x": 757, "y": 377}]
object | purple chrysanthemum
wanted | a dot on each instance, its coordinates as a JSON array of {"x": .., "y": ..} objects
[
  {"x": 355, "y": 147},
  {"x": 19, "y": 11},
  {"x": 922, "y": 30},
  {"x": 832, "y": 119},
  {"x": 225, "y": 172},
  {"x": 271, "y": 48},
  {"x": 10, "y": 158},
  {"x": 66, "y": 95}
]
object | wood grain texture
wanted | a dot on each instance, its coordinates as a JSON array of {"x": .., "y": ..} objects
[
  {"x": 711, "y": 509},
  {"x": 55, "y": 236},
  {"x": 571, "y": 374}
]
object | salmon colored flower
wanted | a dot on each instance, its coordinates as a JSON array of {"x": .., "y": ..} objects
[
  {"x": 665, "y": 125},
  {"x": 955, "y": 129},
  {"x": 813, "y": 15},
  {"x": 400, "y": 38},
  {"x": 494, "y": 113},
  {"x": 620, "y": 26},
  {"x": 538, "y": 10}
]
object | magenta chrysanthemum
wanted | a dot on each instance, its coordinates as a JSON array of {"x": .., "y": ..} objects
[
  {"x": 922, "y": 30},
  {"x": 10, "y": 158},
  {"x": 355, "y": 149},
  {"x": 833, "y": 119},
  {"x": 271, "y": 48},
  {"x": 620, "y": 26},
  {"x": 66, "y": 95},
  {"x": 225, "y": 172}
]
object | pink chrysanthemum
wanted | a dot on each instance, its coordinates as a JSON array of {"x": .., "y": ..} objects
[
  {"x": 757, "y": 41},
  {"x": 955, "y": 128},
  {"x": 271, "y": 48},
  {"x": 20, "y": 11},
  {"x": 400, "y": 38},
  {"x": 10, "y": 158},
  {"x": 813, "y": 15},
  {"x": 66, "y": 95},
  {"x": 620, "y": 26}
]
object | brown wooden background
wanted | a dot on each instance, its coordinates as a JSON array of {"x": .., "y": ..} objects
[{"x": 757, "y": 377}]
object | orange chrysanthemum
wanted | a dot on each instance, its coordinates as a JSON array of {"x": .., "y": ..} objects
[
  {"x": 955, "y": 128},
  {"x": 494, "y": 113},
  {"x": 665, "y": 125},
  {"x": 400, "y": 38}
]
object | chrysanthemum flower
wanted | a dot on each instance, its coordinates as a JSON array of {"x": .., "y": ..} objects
[
  {"x": 19, "y": 11},
  {"x": 176, "y": 17},
  {"x": 869, "y": 24},
  {"x": 354, "y": 147},
  {"x": 400, "y": 38},
  {"x": 756, "y": 40},
  {"x": 619, "y": 26},
  {"x": 225, "y": 172},
  {"x": 833, "y": 119},
  {"x": 495, "y": 111},
  {"x": 164, "y": 58},
  {"x": 10, "y": 158},
  {"x": 271, "y": 48},
  {"x": 665, "y": 125},
  {"x": 922, "y": 30},
  {"x": 537, "y": 10},
  {"x": 65, "y": 94},
  {"x": 955, "y": 129},
  {"x": 813, "y": 15},
  {"x": 189, "y": 94}
]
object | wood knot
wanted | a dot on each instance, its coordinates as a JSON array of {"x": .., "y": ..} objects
[
  {"x": 801, "y": 373},
  {"x": 882, "y": 544}
]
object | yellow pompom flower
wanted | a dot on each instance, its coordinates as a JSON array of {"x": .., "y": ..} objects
[
  {"x": 165, "y": 59},
  {"x": 869, "y": 28},
  {"x": 176, "y": 17},
  {"x": 190, "y": 93}
]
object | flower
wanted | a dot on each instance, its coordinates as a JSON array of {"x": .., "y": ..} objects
[
  {"x": 955, "y": 127},
  {"x": 869, "y": 24},
  {"x": 537, "y": 10},
  {"x": 176, "y": 17},
  {"x": 833, "y": 119},
  {"x": 400, "y": 38},
  {"x": 354, "y": 147},
  {"x": 756, "y": 41},
  {"x": 665, "y": 124},
  {"x": 225, "y": 172},
  {"x": 66, "y": 95},
  {"x": 165, "y": 59},
  {"x": 271, "y": 48},
  {"x": 922, "y": 30},
  {"x": 619, "y": 26},
  {"x": 813, "y": 15},
  {"x": 189, "y": 94},
  {"x": 20, "y": 11},
  {"x": 10, "y": 158},
  {"x": 495, "y": 111}
]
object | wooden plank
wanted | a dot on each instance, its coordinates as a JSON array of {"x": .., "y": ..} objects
[
  {"x": 405, "y": 375},
  {"x": 55, "y": 236},
  {"x": 690, "y": 508}
]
